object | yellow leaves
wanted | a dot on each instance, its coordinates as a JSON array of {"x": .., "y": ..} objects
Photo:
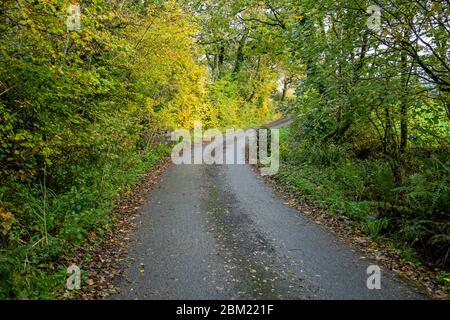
[
  {"x": 26, "y": 22},
  {"x": 6, "y": 221},
  {"x": 150, "y": 104},
  {"x": 165, "y": 63},
  {"x": 48, "y": 2},
  {"x": 87, "y": 36},
  {"x": 107, "y": 17},
  {"x": 111, "y": 16}
]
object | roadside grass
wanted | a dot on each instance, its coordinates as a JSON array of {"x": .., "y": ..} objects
[
  {"x": 326, "y": 187},
  {"x": 59, "y": 223},
  {"x": 364, "y": 191}
]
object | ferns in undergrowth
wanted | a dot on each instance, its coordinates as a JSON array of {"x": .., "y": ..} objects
[{"x": 412, "y": 212}]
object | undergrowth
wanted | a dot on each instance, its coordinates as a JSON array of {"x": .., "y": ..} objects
[
  {"x": 412, "y": 215},
  {"x": 47, "y": 226}
]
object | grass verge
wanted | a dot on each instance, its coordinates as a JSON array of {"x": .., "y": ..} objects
[{"x": 35, "y": 268}]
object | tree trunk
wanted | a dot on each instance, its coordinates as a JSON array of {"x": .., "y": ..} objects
[
  {"x": 404, "y": 99},
  {"x": 240, "y": 54},
  {"x": 285, "y": 89}
]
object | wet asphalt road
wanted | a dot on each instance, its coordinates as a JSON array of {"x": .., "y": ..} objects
[{"x": 219, "y": 232}]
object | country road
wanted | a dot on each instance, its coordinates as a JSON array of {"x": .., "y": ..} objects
[{"x": 220, "y": 232}]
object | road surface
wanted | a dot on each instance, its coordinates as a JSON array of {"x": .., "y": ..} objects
[{"x": 219, "y": 232}]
